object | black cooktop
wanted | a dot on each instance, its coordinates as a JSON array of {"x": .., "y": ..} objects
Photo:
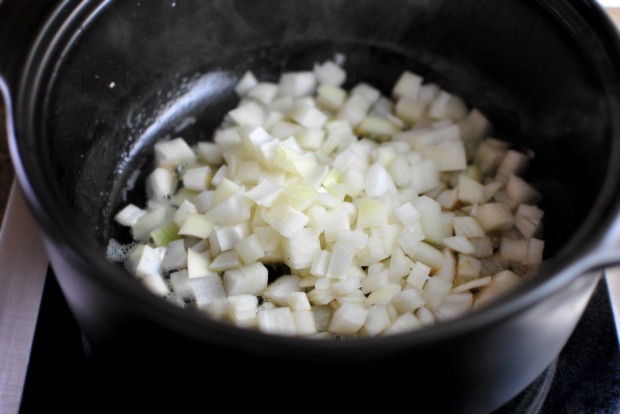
[{"x": 584, "y": 379}]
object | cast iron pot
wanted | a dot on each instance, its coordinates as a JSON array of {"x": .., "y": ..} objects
[{"x": 90, "y": 87}]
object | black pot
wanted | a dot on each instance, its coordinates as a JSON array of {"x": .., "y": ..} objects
[{"x": 101, "y": 81}]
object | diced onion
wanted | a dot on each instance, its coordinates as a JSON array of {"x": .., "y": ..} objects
[{"x": 366, "y": 201}]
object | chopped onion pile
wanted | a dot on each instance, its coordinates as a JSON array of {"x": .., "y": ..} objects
[{"x": 390, "y": 213}]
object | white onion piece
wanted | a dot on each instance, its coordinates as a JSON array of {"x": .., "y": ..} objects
[
  {"x": 377, "y": 320},
  {"x": 250, "y": 249},
  {"x": 404, "y": 323},
  {"x": 225, "y": 138},
  {"x": 322, "y": 316},
  {"x": 355, "y": 297},
  {"x": 409, "y": 110},
  {"x": 307, "y": 116},
  {"x": 285, "y": 219},
  {"x": 447, "y": 269},
  {"x": 482, "y": 246},
  {"x": 408, "y": 300},
  {"x": 514, "y": 162},
  {"x": 264, "y": 92},
  {"x": 502, "y": 282},
  {"x": 224, "y": 261},
  {"x": 320, "y": 264},
  {"x": 247, "y": 280},
  {"x": 321, "y": 296},
  {"x": 535, "y": 252},
  {"x": 207, "y": 289},
  {"x": 210, "y": 152},
  {"x": 201, "y": 246},
  {"x": 375, "y": 279},
  {"x": 371, "y": 213},
  {"x": 278, "y": 321},
  {"x": 186, "y": 208},
  {"x": 425, "y": 316},
  {"x": 340, "y": 261},
  {"x": 515, "y": 250},
  {"x": 269, "y": 238},
  {"x": 369, "y": 93},
  {"x": 446, "y": 105},
  {"x": 196, "y": 225},
  {"x": 428, "y": 93},
  {"x": 459, "y": 244},
  {"x": 494, "y": 216},
  {"x": 218, "y": 309},
  {"x": 204, "y": 201},
  {"x": 144, "y": 260},
  {"x": 243, "y": 309},
  {"x": 489, "y": 155},
  {"x": 265, "y": 193},
  {"x": 467, "y": 227},
  {"x": 468, "y": 267},
  {"x": 246, "y": 83},
  {"x": 455, "y": 304},
  {"x": 175, "y": 256},
  {"x": 329, "y": 73},
  {"x": 383, "y": 295},
  {"x": 173, "y": 152},
  {"x": 197, "y": 179},
  {"x": 156, "y": 284},
  {"x": 347, "y": 286},
  {"x": 435, "y": 291},
  {"x": 160, "y": 184},
  {"x": 279, "y": 291},
  {"x": 425, "y": 253},
  {"x": 198, "y": 264},
  {"x": 490, "y": 189},
  {"x": 235, "y": 209},
  {"x": 325, "y": 284},
  {"x": 355, "y": 109},
  {"x": 519, "y": 190},
  {"x": 470, "y": 191},
  {"x": 447, "y": 155},
  {"x": 400, "y": 265},
  {"x": 250, "y": 113},
  {"x": 304, "y": 322},
  {"x": 419, "y": 275},
  {"x": 298, "y": 301},
  {"x": 408, "y": 86},
  {"x": 527, "y": 220},
  {"x": 378, "y": 181},
  {"x": 129, "y": 215},
  {"x": 472, "y": 284},
  {"x": 348, "y": 319},
  {"x": 297, "y": 84},
  {"x": 229, "y": 236},
  {"x": 430, "y": 217},
  {"x": 180, "y": 284}
]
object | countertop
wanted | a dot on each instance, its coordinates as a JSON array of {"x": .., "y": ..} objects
[{"x": 614, "y": 13}]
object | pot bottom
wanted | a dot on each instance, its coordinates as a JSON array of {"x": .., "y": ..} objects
[{"x": 584, "y": 378}]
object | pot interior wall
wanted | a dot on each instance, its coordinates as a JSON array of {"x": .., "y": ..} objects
[{"x": 142, "y": 71}]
